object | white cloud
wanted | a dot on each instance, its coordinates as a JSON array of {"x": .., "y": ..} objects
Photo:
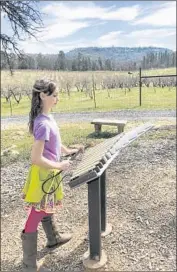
[
  {"x": 109, "y": 39},
  {"x": 91, "y": 11},
  {"x": 152, "y": 33},
  {"x": 65, "y": 11},
  {"x": 110, "y": 35},
  {"x": 164, "y": 15},
  {"x": 149, "y": 37},
  {"x": 35, "y": 47},
  {"x": 61, "y": 29},
  {"x": 67, "y": 19},
  {"x": 123, "y": 14}
]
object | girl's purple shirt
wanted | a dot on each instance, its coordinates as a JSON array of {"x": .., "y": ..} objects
[{"x": 45, "y": 128}]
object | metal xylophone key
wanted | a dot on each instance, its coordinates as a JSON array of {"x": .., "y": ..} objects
[{"x": 98, "y": 158}]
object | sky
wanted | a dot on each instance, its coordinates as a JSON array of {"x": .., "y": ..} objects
[{"x": 74, "y": 24}]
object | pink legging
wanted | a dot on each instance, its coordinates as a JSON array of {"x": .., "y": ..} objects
[{"x": 34, "y": 218}]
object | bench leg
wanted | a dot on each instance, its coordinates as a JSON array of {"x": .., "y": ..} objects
[
  {"x": 120, "y": 128},
  {"x": 97, "y": 128}
]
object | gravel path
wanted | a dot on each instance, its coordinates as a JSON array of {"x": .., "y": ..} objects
[
  {"x": 141, "y": 207},
  {"x": 88, "y": 116}
]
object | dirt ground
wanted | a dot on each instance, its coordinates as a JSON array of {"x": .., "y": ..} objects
[{"x": 141, "y": 206}]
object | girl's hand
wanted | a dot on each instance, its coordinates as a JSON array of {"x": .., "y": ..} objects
[
  {"x": 64, "y": 165},
  {"x": 80, "y": 148},
  {"x": 73, "y": 151}
]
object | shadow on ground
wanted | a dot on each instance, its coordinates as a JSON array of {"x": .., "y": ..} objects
[
  {"x": 53, "y": 261},
  {"x": 100, "y": 135},
  {"x": 72, "y": 261}
]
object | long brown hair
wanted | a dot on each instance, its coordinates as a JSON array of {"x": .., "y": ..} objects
[{"x": 42, "y": 85}]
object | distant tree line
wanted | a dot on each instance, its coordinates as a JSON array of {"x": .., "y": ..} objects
[
  {"x": 159, "y": 60},
  {"x": 81, "y": 62}
]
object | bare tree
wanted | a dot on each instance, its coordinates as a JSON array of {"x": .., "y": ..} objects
[{"x": 25, "y": 20}]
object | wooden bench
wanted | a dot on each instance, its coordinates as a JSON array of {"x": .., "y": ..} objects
[{"x": 99, "y": 122}]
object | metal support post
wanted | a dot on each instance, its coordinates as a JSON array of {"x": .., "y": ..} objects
[
  {"x": 95, "y": 257},
  {"x": 140, "y": 85},
  {"x": 103, "y": 201},
  {"x": 105, "y": 228},
  {"x": 94, "y": 219}
]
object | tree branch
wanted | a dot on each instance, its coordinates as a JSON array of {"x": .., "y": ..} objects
[{"x": 25, "y": 19}]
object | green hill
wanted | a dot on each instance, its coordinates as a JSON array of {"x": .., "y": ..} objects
[{"x": 116, "y": 53}]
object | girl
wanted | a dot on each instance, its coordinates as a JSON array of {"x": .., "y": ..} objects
[{"x": 45, "y": 158}]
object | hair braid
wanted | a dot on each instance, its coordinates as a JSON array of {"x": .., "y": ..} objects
[{"x": 42, "y": 85}]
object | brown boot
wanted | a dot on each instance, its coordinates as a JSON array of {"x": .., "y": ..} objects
[
  {"x": 54, "y": 239},
  {"x": 29, "y": 246}
]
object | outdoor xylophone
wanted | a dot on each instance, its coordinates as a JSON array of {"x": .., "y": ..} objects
[{"x": 92, "y": 170}]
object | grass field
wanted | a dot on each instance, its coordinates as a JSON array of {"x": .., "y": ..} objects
[
  {"x": 25, "y": 76},
  {"x": 76, "y": 133},
  {"x": 160, "y": 98},
  {"x": 70, "y": 133}
]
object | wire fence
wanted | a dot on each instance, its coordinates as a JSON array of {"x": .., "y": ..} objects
[{"x": 165, "y": 93}]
